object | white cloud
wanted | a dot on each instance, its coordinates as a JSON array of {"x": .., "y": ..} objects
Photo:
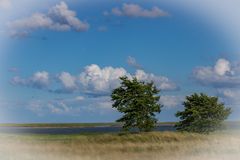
[
  {"x": 92, "y": 80},
  {"x": 97, "y": 80},
  {"x": 222, "y": 67},
  {"x": 62, "y": 16},
  {"x": 222, "y": 75},
  {"x": 68, "y": 81},
  {"x": 58, "y": 18},
  {"x": 38, "y": 80},
  {"x": 37, "y": 20},
  {"x": 135, "y": 10},
  {"x": 5, "y": 4},
  {"x": 163, "y": 83}
]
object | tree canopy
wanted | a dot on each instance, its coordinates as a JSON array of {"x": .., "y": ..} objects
[
  {"x": 202, "y": 114},
  {"x": 139, "y": 102}
]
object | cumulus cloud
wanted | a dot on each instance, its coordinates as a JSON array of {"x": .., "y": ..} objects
[
  {"x": 97, "y": 80},
  {"x": 62, "y": 17},
  {"x": 136, "y": 11},
  {"x": 221, "y": 75},
  {"x": 222, "y": 66},
  {"x": 58, "y": 18},
  {"x": 68, "y": 81},
  {"x": 93, "y": 80},
  {"x": 38, "y": 80}
]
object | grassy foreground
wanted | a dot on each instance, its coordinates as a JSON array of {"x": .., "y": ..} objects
[{"x": 145, "y": 146}]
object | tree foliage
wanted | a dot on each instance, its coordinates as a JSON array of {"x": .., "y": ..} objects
[
  {"x": 139, "y": 102},
  {"x": 202, "y": 114}
]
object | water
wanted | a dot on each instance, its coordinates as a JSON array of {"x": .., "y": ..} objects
[{"x": 77, "y": 130}]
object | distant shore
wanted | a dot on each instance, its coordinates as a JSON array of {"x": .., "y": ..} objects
[{"x": 71, "y": 125}]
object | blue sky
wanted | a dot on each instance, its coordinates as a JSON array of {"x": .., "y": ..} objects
[{"x": 61, "y": 59}]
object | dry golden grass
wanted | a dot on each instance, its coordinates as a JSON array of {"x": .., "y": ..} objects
[{"x": 146, "y": 146}]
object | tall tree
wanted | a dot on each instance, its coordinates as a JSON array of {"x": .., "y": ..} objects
[
  {"x": 202, "y": 114},
  {"x": 139, "y": 102}
]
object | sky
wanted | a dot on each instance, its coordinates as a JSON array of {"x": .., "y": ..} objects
[{"x": 60, "y": 60}]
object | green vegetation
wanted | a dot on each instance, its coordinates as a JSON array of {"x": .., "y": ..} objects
[
  {"x": 138, "y": 101},
  {"x": 202, "y": 114}
]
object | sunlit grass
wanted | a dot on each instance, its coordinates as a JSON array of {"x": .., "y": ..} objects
[{"x": 149, "y": 146}]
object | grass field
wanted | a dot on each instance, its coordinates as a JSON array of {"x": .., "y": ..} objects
[{"x": 145, "y": 146}]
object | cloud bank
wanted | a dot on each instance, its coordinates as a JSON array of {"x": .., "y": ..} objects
[{"x": 93, "y": 80}]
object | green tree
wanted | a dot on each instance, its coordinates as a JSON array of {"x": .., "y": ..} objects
[
  {"x": 138, "y": 101},
  {"x": 202, "y": 114}
]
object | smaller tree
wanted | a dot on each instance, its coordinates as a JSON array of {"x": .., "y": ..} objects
[
  {"x": 138, "y": 101},
  {"x": 202, "y": 114}
]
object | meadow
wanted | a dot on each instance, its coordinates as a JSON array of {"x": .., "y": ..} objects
[{"x": 224, "y": 145}]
